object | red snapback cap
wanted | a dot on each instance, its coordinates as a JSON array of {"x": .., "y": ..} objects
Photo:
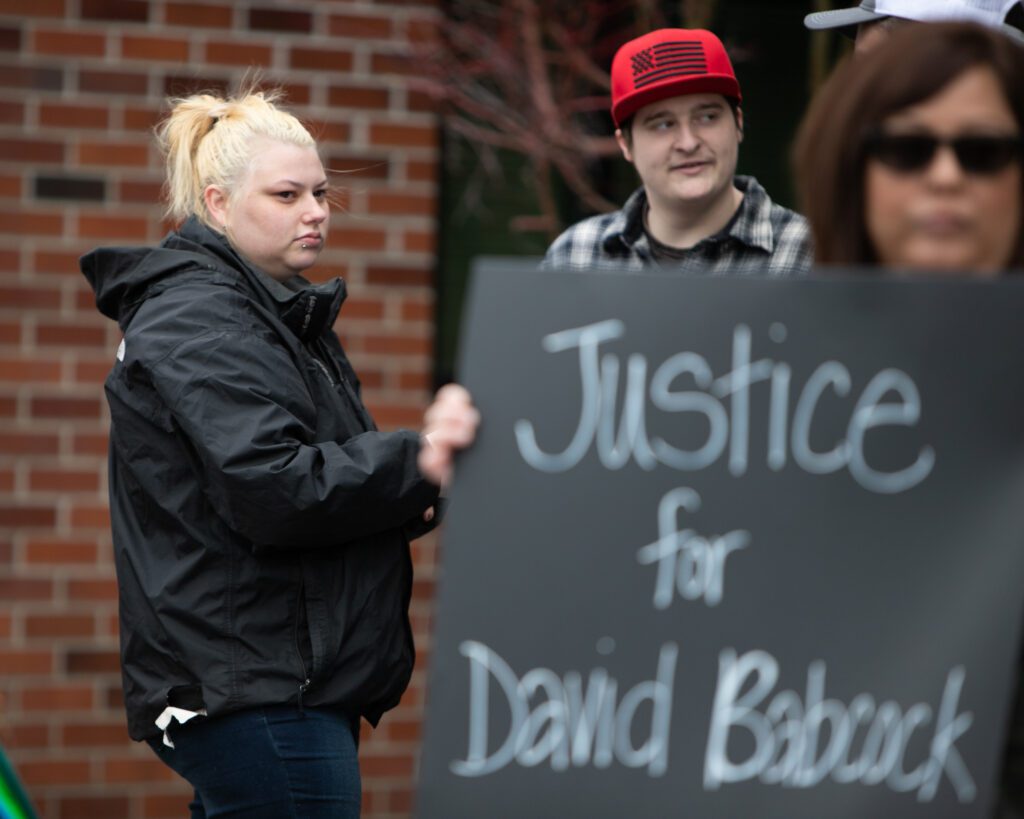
[{"x": 669, "y": 62}]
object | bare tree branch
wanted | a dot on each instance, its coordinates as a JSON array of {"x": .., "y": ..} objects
[{"x": 530, "y": 77}]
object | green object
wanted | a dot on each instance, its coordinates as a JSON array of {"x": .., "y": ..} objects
[{"x": 14, "y": 802}]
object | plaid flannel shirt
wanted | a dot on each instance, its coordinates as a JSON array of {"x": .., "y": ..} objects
[{"x": 763, "y": 239}]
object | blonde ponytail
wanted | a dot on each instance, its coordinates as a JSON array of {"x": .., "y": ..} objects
[{"x": 207, "y": 140}]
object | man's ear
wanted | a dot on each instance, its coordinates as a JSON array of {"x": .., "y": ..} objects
[
  {"x": 739, "y": 121},
  {"x": 216, "y": 201},
  {"x": 623, "y": 145}
]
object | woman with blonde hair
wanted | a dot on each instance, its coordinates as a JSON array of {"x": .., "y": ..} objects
[{"x": 261, "y": 522}]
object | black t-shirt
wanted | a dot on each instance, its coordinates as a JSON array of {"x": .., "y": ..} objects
[{"x": 661, "y": 252}]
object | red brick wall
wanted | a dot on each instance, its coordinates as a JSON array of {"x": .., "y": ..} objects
[{"x": 81, "y": 84}]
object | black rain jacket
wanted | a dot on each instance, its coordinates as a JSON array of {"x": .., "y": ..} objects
[{"x": 260, "y": 521}]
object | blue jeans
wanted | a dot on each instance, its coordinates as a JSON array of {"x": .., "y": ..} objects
[{"x": 268, "y": 763}]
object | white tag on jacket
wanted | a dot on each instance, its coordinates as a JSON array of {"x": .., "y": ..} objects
[
  {"x": 120, "y": 351},
  {"x": 170, "y": 713}
]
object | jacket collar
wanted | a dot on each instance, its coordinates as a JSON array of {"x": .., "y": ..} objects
[{"x": 306, "y": 309}]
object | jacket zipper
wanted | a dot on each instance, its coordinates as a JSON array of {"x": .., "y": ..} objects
[
  {"x": 338, "y": 378},
  {"x": 326, "y": 371},
  {"x": 304, "y": 685},
  {"x": 323, "y": 356}
]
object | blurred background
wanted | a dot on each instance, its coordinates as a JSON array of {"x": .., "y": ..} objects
[{"x": 456, "y": 129}]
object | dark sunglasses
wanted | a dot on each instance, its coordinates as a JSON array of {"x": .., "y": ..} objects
[{"x": 977, "y": 154}]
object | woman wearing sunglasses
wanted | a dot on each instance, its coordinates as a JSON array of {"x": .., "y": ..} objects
[
  {"x": 910, "y": 160},
  {"x": 910, "y": 156}
]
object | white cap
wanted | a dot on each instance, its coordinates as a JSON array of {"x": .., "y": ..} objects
[{"x": 988, "y": 12}]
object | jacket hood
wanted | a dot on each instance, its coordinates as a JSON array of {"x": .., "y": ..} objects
[{"x": 124, "y": 277}]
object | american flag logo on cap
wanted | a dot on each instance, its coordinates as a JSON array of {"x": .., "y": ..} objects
[{"x": 678, "y": 58}]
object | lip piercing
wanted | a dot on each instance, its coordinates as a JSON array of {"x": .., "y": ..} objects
[{"x": 304, "y": 246}]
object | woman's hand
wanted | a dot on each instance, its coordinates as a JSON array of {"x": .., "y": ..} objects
[{"x": 449, "y": 424}]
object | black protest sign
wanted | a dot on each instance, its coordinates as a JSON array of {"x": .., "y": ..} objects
[{"x": 731, "y": 548}]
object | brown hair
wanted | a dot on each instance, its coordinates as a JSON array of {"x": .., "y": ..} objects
[{"x": 914, "y": 63}]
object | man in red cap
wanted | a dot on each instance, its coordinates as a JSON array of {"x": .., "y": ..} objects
[{"x": 676, "y": 107}]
